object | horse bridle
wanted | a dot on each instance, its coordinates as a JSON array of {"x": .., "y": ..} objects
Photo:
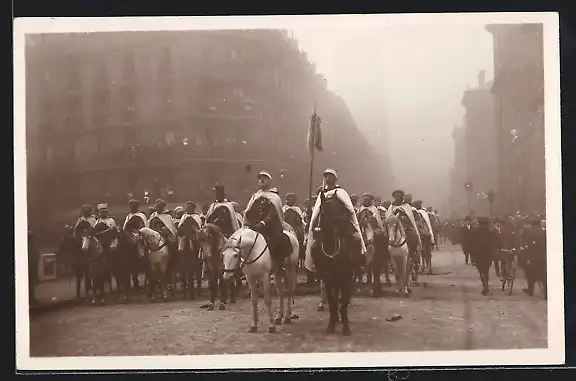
[
  {"x": 159, "y": 245},
  {"x": 402, "y": 242},
  {"x": 243, "y": 262},
  {"x": 336, "y": 239}
]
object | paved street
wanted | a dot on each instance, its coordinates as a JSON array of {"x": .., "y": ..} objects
[{"x": 446, "y": 313}]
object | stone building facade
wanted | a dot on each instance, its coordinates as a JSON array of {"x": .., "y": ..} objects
[
  {"x": 481, "y": 144},
  {"x": 112, "y": 115},
  {"x": 519, "y": 102}
]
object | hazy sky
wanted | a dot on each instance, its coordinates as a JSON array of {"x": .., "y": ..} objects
[{"x": 409, "y": 80}]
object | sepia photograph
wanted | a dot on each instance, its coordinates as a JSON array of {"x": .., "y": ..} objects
[{"x": 288, "y": 191}]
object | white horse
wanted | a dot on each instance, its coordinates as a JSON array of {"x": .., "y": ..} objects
[
  {"x": 248, "y": 250},
  {"x": 398, "y": 249},
  {"x": 158, "y": 256}
]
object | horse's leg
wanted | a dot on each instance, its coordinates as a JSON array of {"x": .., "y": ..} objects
[
  {"x": 323, "y": 296},
  {"x": 163, "y": 284},
  {"x": 223, "y": 286},
  {"x": 407, "y": 265},
  {"x": 268, "y": 302},
  {"x": 291, "y": 279},
  {"x": 279, "y": 280},
  {"x": 376, "y": 266},
  {"x": 213, "y": 286},
  {"x": 253, "y": 285},
  {"x": 345, "y": 296},
  {"x": 332, "y": 306}
]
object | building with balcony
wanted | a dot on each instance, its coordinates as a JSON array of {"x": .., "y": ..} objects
[
  {"x": 518, "y": 91},
  {"x": 113, "y": 115}
]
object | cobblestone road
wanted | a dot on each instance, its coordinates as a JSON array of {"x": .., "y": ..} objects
[{"x": 446, "y": 313}]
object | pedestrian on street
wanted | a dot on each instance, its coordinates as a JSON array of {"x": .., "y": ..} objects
[
  {"x": 465, "y": 238},
  {"x": 483, "y": 246},
  {"x": 534, "y": 240}
]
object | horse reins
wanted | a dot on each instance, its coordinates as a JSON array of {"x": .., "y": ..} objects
[
  {"x": 402, "y": 242},
  {"x": 158, "y": 245},
  {"x": 243, "y": 262}
]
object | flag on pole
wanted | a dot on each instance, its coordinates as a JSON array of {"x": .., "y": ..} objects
[{"x": 314, "y": 134}]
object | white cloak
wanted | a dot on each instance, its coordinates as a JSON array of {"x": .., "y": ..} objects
[
  {"x": 231, "y": 210},
  {"x": 139, "y": 214},
  {"x": 424, "y": 215},
  {"x": 345, "y": 198},
  {"x": 166, "y": 219}
]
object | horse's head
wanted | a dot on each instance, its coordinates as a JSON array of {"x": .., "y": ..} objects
[
  {"x": 395, "y": 230},
  {"x": 211, "y": 240},
  {"x": 144, "y": 238},
  {"x": 235, "y": 249}
]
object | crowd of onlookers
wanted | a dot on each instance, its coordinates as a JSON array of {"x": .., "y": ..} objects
[{"x": 520, "y": 239}]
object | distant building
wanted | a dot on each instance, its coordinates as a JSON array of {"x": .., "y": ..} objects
[
  {"x": 519, "y": 100},
  {"x": 112, "y": 115},
  {"x": 481, "y": 144},
  {"x": 459, "y": 175}
]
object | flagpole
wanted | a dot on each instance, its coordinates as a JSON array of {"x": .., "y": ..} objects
[{"x": 312, "y": 158}]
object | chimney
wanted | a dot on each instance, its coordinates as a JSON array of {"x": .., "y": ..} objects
[{"x": 482, "y": 78}]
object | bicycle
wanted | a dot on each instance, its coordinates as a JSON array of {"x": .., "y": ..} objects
[{"x": 508, "y": 270}]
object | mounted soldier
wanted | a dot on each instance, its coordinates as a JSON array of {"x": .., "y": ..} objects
[
  {"x": 408, "y": 218},
  {"x": 106, "y": 231},
  {"x": 264, "y": 214},
  {"x": 135, "y": 220},
  {"x": 426, "y": 235},
  {"x": 85, "y": 215},
  {"x": 354, "y": 200},
  {"x": 331, "y": 189},
  {"x": 161, "y": 221},
  {"x": 221, "y": 213},
  {"x": 294, "y": 216},
  {"x": 238, "y": 213},
  {"x": 177, "y": 215},
  {"x": 369, "y": 216}
]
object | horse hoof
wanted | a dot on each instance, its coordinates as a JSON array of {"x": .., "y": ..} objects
[
  {"x": 93, "y": 302},
  {"x": 294, "y": 317},
  {"x": 222, "y": 306},
  {"x": 278, "y": 321},
  {"x": 346, "y": 331},
  {"x": 211, "y": 307},
  {"x": 287, "y": 320},
  {"x": 320, "y": 308},
  {"x": 253, "y": 329},
  {"x": 272, "y": 329}
]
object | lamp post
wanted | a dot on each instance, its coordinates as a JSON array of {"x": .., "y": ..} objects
[
  {"x": 491, "y": 196},
  {"x": 468, "y": 186}
]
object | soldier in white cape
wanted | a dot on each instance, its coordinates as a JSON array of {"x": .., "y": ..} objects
[{"x": 330, "y": 187}]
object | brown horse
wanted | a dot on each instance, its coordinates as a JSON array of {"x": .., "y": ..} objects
[
  {"x": 124, "y": 261},
  {"x": 212, "y": 242},
  {"x": 190, "y": 263},
  {"x": 94, "y": 252}
]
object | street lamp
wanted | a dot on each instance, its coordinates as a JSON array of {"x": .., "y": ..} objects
[
  {"x": 468, "y": 186},
  {"x": 491, "y": 196}
]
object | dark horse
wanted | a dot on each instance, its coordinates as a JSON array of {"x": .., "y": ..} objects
[
  {"x": 190, "y": 263},
  {"x": 335, "y": 250},
  {"x": 124, "y": 261},
  {"x": 93, "y": 251},
  {"x": 71, "y": 246}
]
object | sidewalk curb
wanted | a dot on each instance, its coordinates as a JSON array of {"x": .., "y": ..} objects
[{"x": 43, "y": 308}]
